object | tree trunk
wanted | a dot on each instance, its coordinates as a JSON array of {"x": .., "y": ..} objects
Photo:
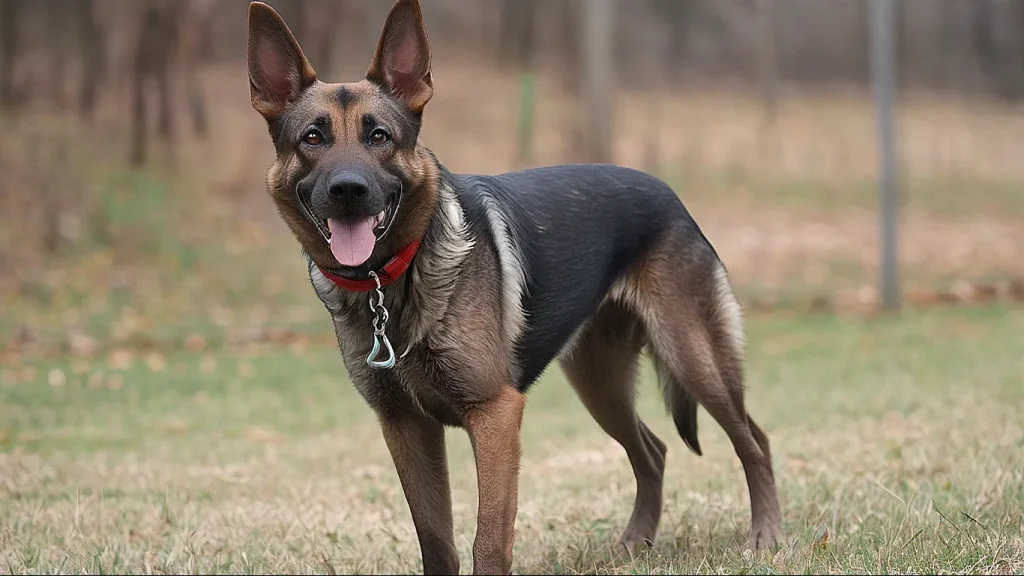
[
  {"x": 678, "y": 16},
  {"x": 325, "y": 50},
  {"x": 10, "y": 10},
  {"x": 163, "y": 54},
  {"x": 598, "y": 71},
  {"x": 195, "y": 40},
  {"x": 571, "y": 48},
  {"x": 146, "y": 48},
  {"x": 93, "y": 57},
  {"x": 58, "y": 16},
  {"x": 768, "y": 66},
  {"x": 516, "y": 39}
]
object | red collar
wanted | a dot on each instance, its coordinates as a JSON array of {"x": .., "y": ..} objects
[{"x": 388, "y": 274}]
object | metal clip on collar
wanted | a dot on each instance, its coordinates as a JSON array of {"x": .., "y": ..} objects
[{"x": 380, "y": 320}]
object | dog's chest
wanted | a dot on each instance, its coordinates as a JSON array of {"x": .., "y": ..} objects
[
  {"x": 421, "y": 379},
  {"x": 418, "y": 381}
]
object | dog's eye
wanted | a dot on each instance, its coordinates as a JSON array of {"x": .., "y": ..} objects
[
  {"x": 313, "y": 137},
  {"x": 379, "y": 137}
]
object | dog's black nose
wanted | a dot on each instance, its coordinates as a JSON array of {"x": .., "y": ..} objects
[{"x": 348, "y": 185}]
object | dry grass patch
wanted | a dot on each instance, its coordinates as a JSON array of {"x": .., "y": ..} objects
[{"x": 898, "y": 444}]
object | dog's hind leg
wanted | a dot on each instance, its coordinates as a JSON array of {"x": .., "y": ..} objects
[
  {"x": 601, "y": 367},
  {"x": 682, "y": 293}
]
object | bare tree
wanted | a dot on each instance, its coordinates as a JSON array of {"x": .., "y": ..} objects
[
  {"x": 58, "y": 15},
  {"x": 323, "y": 43},
  {"x": 516, "y": 37},
  {"x": 93, "y": 57},
  {"x": 570, "y": 50},
  {"x": 768, "y": 66},
  {"x": 147, "y": 55},
  {"x": 999, "y": 41},
  {"x": 195, "y": 41},
  {"x": 167, "y": 31},
  {"x": 598, "y": 63},
  {"x": 10, "y": 13},
  {"x": 678, "y": 16}
]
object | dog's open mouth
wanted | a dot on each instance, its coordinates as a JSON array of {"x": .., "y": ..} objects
[{"x": 352, "y": 239}]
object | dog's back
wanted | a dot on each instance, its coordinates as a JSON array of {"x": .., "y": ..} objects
[{"x": 572, "y": 230}]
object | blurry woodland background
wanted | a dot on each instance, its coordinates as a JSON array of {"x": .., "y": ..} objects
[
  {"x": 132, "y": 199},
  {"x": 171, "y": 398}
]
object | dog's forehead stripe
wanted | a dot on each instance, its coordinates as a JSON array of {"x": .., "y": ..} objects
[{"x": 346, "y": 96}]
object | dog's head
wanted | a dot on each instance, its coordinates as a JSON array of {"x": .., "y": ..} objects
[{"x": 349, "y": 179}]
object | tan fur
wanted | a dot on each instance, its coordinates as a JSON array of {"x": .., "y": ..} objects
[
  {"x": 417, "y": 447},
  {"x": 457, "y": 313},
  {"x": 688, "y": 313},
  {"x": 494, "y": 431},
  {"x": 602, "y": 371},
  {"x": 513, "y": 275}
]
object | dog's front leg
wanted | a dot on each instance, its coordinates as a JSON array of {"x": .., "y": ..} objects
[
  {"x": 417, "y": 447},
  {"x": 494, "y": 432}
]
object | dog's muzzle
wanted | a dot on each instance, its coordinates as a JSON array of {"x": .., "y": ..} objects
[{"x": 379, "y": 232}]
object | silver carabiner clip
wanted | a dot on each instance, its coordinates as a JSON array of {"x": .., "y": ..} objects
[{"x": 380, "y": 320}]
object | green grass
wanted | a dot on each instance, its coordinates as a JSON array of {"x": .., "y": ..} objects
[{"x": 902, "y": 436}]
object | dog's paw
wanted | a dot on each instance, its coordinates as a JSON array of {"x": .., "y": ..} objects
[
  {"x": 765, "y": 537},
  {"x": 630, "y": 546}
]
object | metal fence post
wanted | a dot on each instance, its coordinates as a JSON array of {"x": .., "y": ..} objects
[{"x": 883, "y": 58}]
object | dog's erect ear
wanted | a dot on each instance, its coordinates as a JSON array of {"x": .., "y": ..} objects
[
  {"x": 278, "y": 71},
  {"x": 402, "y": 61}
]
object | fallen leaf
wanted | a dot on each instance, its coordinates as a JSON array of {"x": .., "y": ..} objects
[
  {"x": 964, "y": 291},
  {"x": 57, "y": 378},
  {"x": 155, "y": 362},
  {"x": 120, "y": 359},
  {"x": 175, "y": 426},
  {"x": 195, "y": 343},
  {"x": 263, "y": 435},
  {"x": 779, "y": 560},
  {"x": 82, "y": 345},
  {"x": 95, "y": 380},
  {"x": 820, "y": 538},
  {"x": 79, "y": 367}
]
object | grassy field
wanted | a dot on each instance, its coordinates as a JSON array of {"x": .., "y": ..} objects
[
  {"x": 902, "y": 438},
  {"x": 171, "y": 399}
]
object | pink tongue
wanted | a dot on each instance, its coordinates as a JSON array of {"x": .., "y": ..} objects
[{"x": 352, "y": 242}]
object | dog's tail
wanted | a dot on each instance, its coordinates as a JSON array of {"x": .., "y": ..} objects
[
  {"x": 680, "y": 404},
  {"x": 724, "y": 329}
]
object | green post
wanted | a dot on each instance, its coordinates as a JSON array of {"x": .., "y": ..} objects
[{"x": 526, "y": 106}]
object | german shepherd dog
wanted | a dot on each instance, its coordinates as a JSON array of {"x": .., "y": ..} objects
[{"x": 451, "y": 293}]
